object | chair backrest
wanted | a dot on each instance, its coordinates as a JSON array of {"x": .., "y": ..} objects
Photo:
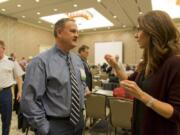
[
  {"x": 120, "y": 112},
  {"x": 96, "y": 83},
  {"x": 96, "y": 106},
  {"x": 94, "y": 71},
  {"x": 103, "y": 76}
]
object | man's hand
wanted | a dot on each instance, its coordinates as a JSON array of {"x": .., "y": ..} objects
[
  {"x": 87, "y": 91},
  {"x": 19, "y": 95}
]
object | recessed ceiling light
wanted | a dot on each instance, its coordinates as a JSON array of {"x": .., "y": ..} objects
[
  {"x": 18, "y": 5},
  {"x": 114, "y": 16},
  {"x": 37, "y": 0},
  {"x": 98, "y": 0},
  {"x": 3, "y": 9},
  {"x": 38, "y": 13},
  {"x": 75, "y": 5},
  {"x": 140, "y": 13},
  {"x": 23, "y": 16},
  {"x": 55, "y": 9},
  {"x": 1, "y": 1},
  {"x": 124, "y": 26}
]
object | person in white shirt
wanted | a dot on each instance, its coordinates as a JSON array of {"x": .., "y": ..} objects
[
  {"x": 121, "y": 66},
  {"x": 10, "y": 73}
]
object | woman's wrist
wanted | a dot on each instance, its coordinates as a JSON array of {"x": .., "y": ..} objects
[
  {"x": 147, "y": 99},
  {"x": 150, "y": 102},
  {"x": 143, "y": 96}
]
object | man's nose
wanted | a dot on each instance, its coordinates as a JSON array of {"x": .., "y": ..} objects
[
  {"x": 77, "y": 34},
  {"x": 136, "y": 35}
]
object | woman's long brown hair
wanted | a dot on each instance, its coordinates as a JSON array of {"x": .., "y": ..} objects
[{"x": 164, "y": 40}]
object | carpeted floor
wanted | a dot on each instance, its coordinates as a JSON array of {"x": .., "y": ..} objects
[{"x": 99, "y": 129}]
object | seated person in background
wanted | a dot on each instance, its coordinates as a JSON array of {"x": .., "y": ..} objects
[
  {"x": 121, "y": 66},
  {"x": 112, "y": 73},
  {"x": 109, "y": 70},
  {"x": 104, "y": 67},
  {"x": 128, "y": 67}
]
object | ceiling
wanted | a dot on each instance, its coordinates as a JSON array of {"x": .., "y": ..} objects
[{"x": 125, "y": 10}]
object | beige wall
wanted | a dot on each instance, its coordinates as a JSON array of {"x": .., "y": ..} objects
[
  {"x": 22, "y": 39},
  {"x": 131, "y": 51}
]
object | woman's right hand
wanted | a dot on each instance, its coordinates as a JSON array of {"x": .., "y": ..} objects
[{"x": 110, "y": 60}]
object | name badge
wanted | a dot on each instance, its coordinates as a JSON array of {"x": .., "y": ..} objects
[{"x": 83, "y": 74}]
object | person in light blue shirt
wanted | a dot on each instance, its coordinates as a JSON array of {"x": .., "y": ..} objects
[{"x": 46, "y": 100}]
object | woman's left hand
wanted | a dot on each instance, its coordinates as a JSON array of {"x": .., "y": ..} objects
[{"x": 132, "y": 88}]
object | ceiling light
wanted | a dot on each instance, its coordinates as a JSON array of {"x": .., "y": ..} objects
[
  {"x": 85, "y": 19},
  {"x": 37, "y": 0},
  {"x": 98, "y": 0},
  {"x": 114, "y": 16},
  {"x": 38, "y": 13},
  {"x": 169, "y": 6},
  {"x": 75, "y": 5},
  {"x": 23, "y": 16},
  {"x": 3, "y": 9},
  {"x": 18, "y": 5},
  {"x": 140, "y": 13},
  {"x": 55, "y": 9},
  {"x": 124, "y": 26},
  {"x": 1, "y": 1}
]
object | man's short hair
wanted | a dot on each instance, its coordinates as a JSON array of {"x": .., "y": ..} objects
[
  {"x": 83, "y": 48},
  {"x": 2, "y": 44},
  {"x": 60, "y": 24}
]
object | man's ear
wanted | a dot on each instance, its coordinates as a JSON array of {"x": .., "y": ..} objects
[{"x": 59, "y": 31}]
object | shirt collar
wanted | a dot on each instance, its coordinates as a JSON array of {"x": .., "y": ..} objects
[
  {"x": 61, "y": 53},
  {"x": 4, "y": 58}
]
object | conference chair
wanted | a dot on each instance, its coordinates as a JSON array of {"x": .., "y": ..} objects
[
  {"x": 120, "y": 113},
  {"x": 96, "y": 109}
]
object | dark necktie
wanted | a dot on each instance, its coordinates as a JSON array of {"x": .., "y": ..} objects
[{"x": 75, "y": 105}]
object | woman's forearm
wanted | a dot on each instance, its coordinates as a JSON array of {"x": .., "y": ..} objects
[
  {"x": 120, "y": 73},
  {"x": 164, "y": 109}
]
